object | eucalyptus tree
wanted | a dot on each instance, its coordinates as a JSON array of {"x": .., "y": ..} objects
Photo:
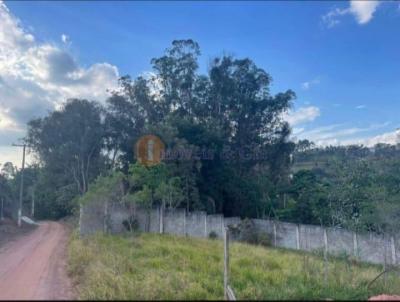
[{"x": 69, "y": 143}]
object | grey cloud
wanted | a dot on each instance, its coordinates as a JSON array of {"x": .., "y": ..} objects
[
  {"x": 37, "y": 77},
  {"x": 60, "y": 66}
]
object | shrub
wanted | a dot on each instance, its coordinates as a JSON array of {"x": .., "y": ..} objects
[
  {"x": 213, "y": 235},
  {"x": 246, "y": 231},
  {"x": 131, "y": 224}
]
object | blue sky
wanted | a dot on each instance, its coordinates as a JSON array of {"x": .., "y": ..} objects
[{"x": 341, "y": 58}]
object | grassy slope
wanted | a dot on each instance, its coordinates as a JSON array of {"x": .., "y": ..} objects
[{"x": 151, "y": 266}]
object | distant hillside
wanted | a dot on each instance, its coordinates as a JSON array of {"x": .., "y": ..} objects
[{"x": 321, "y": 157}]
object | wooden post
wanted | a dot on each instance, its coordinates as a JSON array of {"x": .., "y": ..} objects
[
  {"x": 228, "y": 291},
  {"x": 325, "y": 257},
  {"x": 274, "y": 233},
  {"x": 226, "y": 263},
  {"x": 231, "y": 294}
]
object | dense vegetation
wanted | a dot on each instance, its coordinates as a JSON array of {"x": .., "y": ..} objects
[
  {"x": 232, "y": 146},
  {"x": 163, "y": 267},
  {"x": 353, "y": 187}
]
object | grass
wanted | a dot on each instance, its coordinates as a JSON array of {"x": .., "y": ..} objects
[{"x": 151, "y": 266}]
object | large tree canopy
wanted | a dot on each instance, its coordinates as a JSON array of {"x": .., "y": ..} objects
[{"x": 229, "y": 111}]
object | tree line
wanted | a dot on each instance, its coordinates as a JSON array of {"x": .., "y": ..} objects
[{"x": 228, "y": 110}]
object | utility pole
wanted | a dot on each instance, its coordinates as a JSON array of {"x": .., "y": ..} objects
[{"x": 21, "y": 189}]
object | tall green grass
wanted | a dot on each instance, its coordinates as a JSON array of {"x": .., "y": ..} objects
[{"x": 150, "y": 266}]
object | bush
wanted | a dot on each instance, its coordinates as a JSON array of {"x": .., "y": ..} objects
[
  {"x": 246, "y": 231},
  {"x": 131, "y": 224},
  {"x": 263, "y": 239},
  {"x": 213, "y": 235}
]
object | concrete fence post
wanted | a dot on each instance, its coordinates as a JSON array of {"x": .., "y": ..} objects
[
  {"x": 222, "y": 225},
  {"x": 355, "y": 245},
  {"x": 326, "y": 241},
  {"x": 205, "y": 225},
  {"x": 105, "y": 218},
  {"x": 161, "y": 219},
  {"x": 393, "y": 248},
  {"x": 274, "y": 225},
  {"x": 184, "y": 223},
  {"x": 297, "y": 237}
]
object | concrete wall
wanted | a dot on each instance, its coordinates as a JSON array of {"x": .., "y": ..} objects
[
  {"x": 215, "y": 224},
  {"x": 92, "y": 218},
  {"x": 108, "y": 217},
  {"x": 196, "y": 224},
  {"x": 311, "y": 237},
  {"x": 286, "y": 235},
  {"x": 117, "y": 214},
  {"x": 340, "y": 241},
  {"x": 174, "y": 222}
]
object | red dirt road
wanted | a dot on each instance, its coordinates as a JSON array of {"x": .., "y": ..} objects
[{"x": 34, "y": 266}]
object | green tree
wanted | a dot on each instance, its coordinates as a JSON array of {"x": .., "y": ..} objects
[
  {"x": 8, "y": 170},
  {"x": 69, "y": 142}
]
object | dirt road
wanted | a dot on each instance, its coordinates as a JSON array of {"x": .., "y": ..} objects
[{"x": 34, "y": 266}]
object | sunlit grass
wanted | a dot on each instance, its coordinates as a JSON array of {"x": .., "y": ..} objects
[{"x": 150, "y": 266}]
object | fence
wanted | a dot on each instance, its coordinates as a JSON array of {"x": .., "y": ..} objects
[
  {"x": 368, "y": 247},
  {"x": 228, "y": 291}
]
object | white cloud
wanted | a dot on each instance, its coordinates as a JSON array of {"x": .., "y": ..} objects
[
  {"x": 302, "y": 115},
  {"x": 37, "y": 77},
  {"x": 65, "y": 39},
  {"x": 392, "y": 137},
  {"x": 332, "y": 18},
  {"x": 361, "y": 107},
  {"x": 338, "y": 134},
  {"x": 363, "y": 11},
  {"x": 307, "y": 85}
]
